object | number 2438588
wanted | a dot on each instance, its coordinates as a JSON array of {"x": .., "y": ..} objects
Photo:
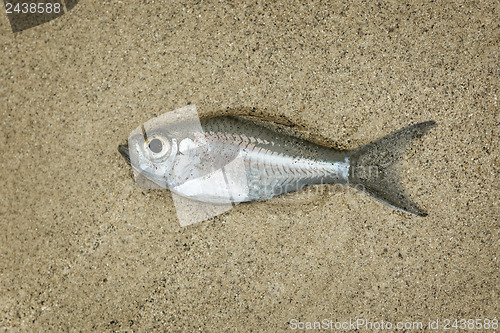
[{"x": 33, "y": 8}]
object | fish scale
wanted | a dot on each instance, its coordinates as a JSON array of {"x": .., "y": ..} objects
[{"x": 274, "y": 160}]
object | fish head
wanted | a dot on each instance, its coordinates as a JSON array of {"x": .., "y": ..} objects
[{"x": 168, "y": 150}]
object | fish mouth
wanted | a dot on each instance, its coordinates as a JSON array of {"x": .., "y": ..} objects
[{"x": 123, "y": 149}]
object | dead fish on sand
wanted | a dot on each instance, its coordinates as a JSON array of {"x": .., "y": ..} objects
[{"x": 272, "y": 160}]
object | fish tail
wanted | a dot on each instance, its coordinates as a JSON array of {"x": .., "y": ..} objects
[{"x": 374, "y": 168}]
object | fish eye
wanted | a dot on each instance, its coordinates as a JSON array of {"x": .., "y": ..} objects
[{"x": 157, "y": 147}]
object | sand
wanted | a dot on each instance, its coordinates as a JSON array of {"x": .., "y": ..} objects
[{"x": 84, "y": 248}]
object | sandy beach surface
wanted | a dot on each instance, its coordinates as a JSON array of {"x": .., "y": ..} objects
[{"x": 83, "y": 248}]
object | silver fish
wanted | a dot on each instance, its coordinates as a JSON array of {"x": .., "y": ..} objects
[{"x": 274, "y": 160}]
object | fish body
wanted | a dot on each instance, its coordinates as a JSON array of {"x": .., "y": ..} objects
[
  {"x": 233, "y": 159},
  {"x": 274, "y": 163}
]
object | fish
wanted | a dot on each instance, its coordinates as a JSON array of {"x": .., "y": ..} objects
[{"x": 270, "y": 159}]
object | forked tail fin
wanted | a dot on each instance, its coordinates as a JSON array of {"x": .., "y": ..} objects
[{"x": 373, "y": 168}]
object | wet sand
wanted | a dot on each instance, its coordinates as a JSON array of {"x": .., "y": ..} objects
[{"x": 83, "y": 248}]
